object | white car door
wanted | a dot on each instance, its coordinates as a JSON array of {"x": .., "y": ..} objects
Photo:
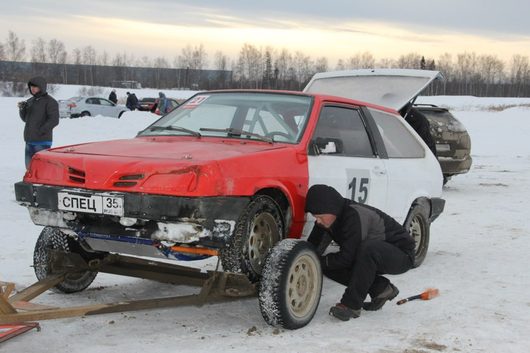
[
  {"x": 108, "y": 108},
  {"x": 344, "y": 159},
  {"x": 414, "y": 169}
]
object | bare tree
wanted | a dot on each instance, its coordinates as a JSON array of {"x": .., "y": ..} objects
[
  {"x": 321, "y": 64},
  {"x": 386, "y": 63},
  {"x": 192, "y": 58},
  {"x": 465, "y": 69},
  {"x": 282, "y": 63},
  {"x": 145, "y": 61},
  {"x": 409, "y": 61},
  {"x": 15, "y": 48},
  {"x": 2, "y": 52},
  {"x": 340, "y": 65},
  {"x": 89, "y": 55},
  {"x": 119, "y": 60},
  {"x": 361, "y": 61},
  {"x": 103, "y": 58},
  {"x": 220, "y": 61},
  {"x": 56, "y": 52},
  {"x": 303, "y": 68},
  {"x": 250, "y": 65},
  {"x": 76, "y": 56},
  {"x": 491, "y": 71},
  {"x": 221, "y": 64},
  {"x": 519, "y": 75},
  {"x": 38, "y": 51}
]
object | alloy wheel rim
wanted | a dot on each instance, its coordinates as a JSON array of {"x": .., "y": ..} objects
[
  {"x": 302, "y": 286},
  {"x": 263, "y": 235}
]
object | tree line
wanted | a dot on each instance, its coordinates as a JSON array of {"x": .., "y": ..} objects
[{"x": 258, "y": 67}]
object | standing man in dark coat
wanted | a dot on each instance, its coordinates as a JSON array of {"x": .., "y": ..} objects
[
  {"x": 112, "y": 97},
  {"x": 132, "y": 101},
  {"x": 371, "y": 244},
  {"x": 40, "y": 113}
]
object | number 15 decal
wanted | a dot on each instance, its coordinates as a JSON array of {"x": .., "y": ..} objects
[{"x": 359, "y": 189}]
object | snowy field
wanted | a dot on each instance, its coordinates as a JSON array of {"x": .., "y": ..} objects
[{"x": 478, "y": 259}]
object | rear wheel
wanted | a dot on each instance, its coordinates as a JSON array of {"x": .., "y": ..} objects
[
  {"x": 258, "y": 229},
  {"x": 53, "y": 238},
  {"x": 290, "y": 288},
  {"x": 85, "y": 113},
  {"x": 418, "y": 225}
]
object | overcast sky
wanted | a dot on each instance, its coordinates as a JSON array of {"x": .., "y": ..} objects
[{"x": 334, "y": 28}]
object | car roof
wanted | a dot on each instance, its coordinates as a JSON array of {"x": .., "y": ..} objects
[
  {"x": 319, "y": 96},
  {"x": 392, "y": 88}
]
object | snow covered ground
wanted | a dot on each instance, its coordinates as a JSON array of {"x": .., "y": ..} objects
[{"x": 478, "y": 259}]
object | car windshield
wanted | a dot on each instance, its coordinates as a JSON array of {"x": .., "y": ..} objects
[{"x": 264, "y": 116}]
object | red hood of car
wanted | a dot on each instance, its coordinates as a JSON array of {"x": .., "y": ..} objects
[
  {"x": 174, "y": 148},
  {"x": 159, "y": 165}
]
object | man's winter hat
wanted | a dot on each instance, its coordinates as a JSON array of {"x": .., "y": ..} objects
[
  {"x": 323, "y": 199},
  {"x": 38, "y": 81}
]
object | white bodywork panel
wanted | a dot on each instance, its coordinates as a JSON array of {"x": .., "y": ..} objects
[
  {"x": 361, "y": 179},
  {"x": 392, "y": 88}
]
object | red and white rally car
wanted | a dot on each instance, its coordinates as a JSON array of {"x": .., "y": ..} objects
[{"x": 229, "y": 170}]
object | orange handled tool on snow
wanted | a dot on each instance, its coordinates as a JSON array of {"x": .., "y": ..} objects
[{"x": 428, "y": 294}]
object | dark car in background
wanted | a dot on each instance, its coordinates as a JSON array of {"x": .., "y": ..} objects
[
  {"x": 147, "y": 104},
  {"x": 453, "y": 144}
]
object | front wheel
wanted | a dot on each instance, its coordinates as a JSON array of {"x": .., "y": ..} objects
[
  {"x": 291, "y": 284},
  {"x": 52, "y": 238},
  {"x": 258, "y": 229},
  {"x": 418, "y": 225}
]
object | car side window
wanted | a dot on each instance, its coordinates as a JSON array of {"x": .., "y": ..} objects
[
  {"x": 105, "y": 102},
  {"x": 92, "y": 101},
  {"x": 398, "y": 140},
  {"x": 345, "y": 128}
]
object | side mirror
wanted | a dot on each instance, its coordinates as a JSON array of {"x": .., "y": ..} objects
[{"x": 326, "y": 145}]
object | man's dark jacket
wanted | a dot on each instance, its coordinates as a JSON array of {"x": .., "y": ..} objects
[
  {"x": 132, "y": 101},
  {"x": 354, "y": 224},
  {"x": 113, "y": 98},
  {"x": 40, "y": 113}
]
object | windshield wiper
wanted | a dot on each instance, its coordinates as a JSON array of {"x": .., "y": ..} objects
[
  {"x": 175, "y": 128},
  {"x": 238, "y": 132}
]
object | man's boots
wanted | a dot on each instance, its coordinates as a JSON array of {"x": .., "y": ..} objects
[
  {"x": 344, "y": 313},
  {"x": 377, "y": 303}
]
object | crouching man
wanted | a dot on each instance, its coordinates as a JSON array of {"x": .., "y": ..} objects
[{"x": 371, "y": 244}]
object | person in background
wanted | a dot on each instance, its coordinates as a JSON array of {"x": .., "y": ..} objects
[
  {"x": 418, "y": 121},
  {"x": 162, "y": 103},
  {"x": 40, "y": 114},
  {"x": 132, "y": 101},
  {"x": 112, "y": 97},
  {"x": 371, "y": 244}
]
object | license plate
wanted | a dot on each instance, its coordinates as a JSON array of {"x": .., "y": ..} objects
[
  {"x": 442, "y": 147},
  {"x": 99, "y": 204}
]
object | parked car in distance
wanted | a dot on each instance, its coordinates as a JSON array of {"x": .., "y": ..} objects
[
  {"x": 147, "y": 104},
  {"x": 89, "y": 106},
  {"x": 453, "y": 144}
]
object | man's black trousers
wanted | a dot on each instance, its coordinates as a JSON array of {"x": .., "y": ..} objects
[{"x": 374, "y": 258}]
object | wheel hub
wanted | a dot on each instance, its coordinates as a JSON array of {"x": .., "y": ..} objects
[
  {"x": 416, "y": 232},
  {"x": 263, "y": 235},
  {"x": 301, "y": 286}
]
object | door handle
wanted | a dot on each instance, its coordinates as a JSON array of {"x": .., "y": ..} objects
[{"x": 379, "y": 171}]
